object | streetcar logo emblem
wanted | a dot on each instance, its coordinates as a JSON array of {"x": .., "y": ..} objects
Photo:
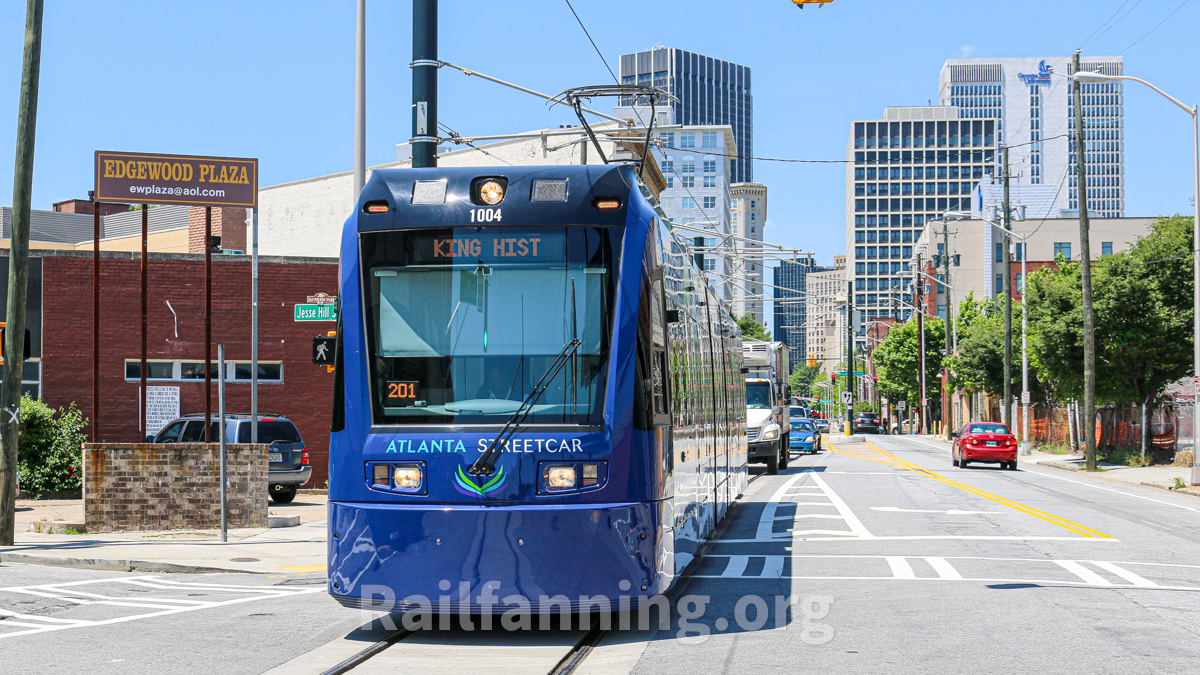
[{"x": 465, "y": 485}]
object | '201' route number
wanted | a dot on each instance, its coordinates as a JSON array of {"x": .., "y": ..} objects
[{"x": 485, "y": 216}]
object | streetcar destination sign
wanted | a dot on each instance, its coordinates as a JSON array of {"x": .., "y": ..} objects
[
  {"x": 316, "y": 312},
  {"x": 140, "y": 177}
]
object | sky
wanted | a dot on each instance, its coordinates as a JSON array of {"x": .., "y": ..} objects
[{"x": 274, "y": 79}]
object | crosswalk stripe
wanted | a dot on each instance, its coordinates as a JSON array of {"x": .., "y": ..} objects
[
  {"x": 1125, "y": 574},
  {"x": 1086, "y": 575},
  {"x": 944, "y": 569},
  {"x": 900, "y": 567}
]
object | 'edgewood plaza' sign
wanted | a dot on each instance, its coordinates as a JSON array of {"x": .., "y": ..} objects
[{"x": 176, "y": 179}]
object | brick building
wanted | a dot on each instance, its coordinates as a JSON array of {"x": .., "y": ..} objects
[{"x": 60, "y": 319}]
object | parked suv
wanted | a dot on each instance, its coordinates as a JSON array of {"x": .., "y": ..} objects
[{"x": 288, "y": 468}]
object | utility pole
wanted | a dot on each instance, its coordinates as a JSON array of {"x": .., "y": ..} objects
[
  {"x": 920, "y": 282},
  {"x": 18, "y": 271},
  {"x": 1085, "y": 261},
  {"x": 947, "y": 418},
  {"x": 1025, "y": 398},
  {"x": 424, "y": 84},
  {"x": 1006, "y": 411}
]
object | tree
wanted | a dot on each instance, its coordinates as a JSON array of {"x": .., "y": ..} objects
[
  {"x": 803, "y": 377},
  {"x": 978, "y": 364},
  {"x": 751, "y": 329},
  {"x": 1143, "y": 309},
  {"x": 897, "y": 360}
]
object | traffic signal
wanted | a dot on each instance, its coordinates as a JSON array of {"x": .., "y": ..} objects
[
  {"x": 833, "y": 378},
  {"x": 3, "y": 334}
]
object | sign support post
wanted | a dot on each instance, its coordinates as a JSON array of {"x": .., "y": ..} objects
[
  {"x": 145, "y": 245},
  {"x": 254, "y": 328},
  {"x": 221, "y": 437}
]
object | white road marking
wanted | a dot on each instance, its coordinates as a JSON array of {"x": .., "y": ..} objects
[
  {"x": 736, "y": 566},
  {"x": 66, "y": 592},
  {"x": 1124, "y": 573},
  {"x": 1088, "y": 576},
  {"x": 944, "y": 569},
  {"x": 766, "y": 521},
  {"x": 900, "y": 568},
  {"x": 951, "y": 512},
  {"x": 917, "y": 537},
  {"x": 773, "y": 567},
  {"x": 856, "y": 526},
  {"x": 1026, "y": 466}
]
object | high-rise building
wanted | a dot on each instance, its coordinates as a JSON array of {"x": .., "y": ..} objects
[
  {"x": 1031, "y": 99},
  {"x": 902, "y": 171},
  {"x": 747, "y": 218},
  {"x": 790, "y": 304},
  {"x": 698, "y": 190},
  {"x": 708, "y": 92},
  {"x": 825, "y": 293}
]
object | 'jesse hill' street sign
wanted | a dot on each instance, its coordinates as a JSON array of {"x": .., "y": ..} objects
[{"x": 316, "y": 312}]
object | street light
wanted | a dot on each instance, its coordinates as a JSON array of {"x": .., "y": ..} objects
[{"x": 1084, "y": 76}]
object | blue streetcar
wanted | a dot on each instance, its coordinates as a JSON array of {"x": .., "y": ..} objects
[{"x": 537, "y": 395}]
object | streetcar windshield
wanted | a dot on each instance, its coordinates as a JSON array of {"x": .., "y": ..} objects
[
  {"x": 462, "y": 322},
  {"x": 758, "y": 395}
]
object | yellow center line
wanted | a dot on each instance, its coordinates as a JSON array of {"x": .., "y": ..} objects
[{"x": 1029, "y": 510}]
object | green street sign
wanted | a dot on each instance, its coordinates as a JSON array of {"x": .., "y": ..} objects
[
  {"x": 316, "y": 313},
  {"x": 857, "y": 373}
]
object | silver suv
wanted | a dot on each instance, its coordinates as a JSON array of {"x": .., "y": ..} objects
[{"x": 288, "y": 468}]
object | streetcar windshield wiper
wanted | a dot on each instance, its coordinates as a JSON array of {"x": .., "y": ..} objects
[{"x": 486, "y": 464}]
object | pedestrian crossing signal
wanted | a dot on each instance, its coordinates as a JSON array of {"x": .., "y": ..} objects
[
  {"x": 4, "y": 346},
  {"x": 323, "y": 349}
]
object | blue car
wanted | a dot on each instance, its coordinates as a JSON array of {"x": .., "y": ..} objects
[{"x": 805, "y": 436}]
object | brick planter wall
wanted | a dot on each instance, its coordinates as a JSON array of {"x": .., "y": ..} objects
[{"x": 148, "y": 486}]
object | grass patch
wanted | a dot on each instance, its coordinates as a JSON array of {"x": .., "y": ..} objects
[
  {"x": 72, "y": 530},
  {"x": 1056, "y": 449},
  {"x": 1179, "y": 484}
]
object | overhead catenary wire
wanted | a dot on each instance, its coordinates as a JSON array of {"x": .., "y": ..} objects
[{"x": 1156, "y": 27}]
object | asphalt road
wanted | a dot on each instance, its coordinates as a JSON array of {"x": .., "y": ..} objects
[{"x": 875, "y": 556}]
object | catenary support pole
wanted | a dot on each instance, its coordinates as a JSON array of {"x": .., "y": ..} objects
[
  {"x": 145, "y": 321},
  {"x": 254, "y": 327},
  {"x": 221, "y": 438},
  {"x": 360, "y": 99},
  {"x": 424, "y": 84},
  {"x": 18, "y": 270},
  {"x": 1088, "y": 423},
  {"x": 95, "y": 317},
  {"x": 1006, "y": 288},
  {"x": 207, "y": 323},
  {"x": 849, "y": 406}
]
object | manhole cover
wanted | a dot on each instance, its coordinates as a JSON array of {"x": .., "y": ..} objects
[{"x": 243, "y": 559}]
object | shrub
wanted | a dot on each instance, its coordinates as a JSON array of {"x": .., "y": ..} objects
[{"x": 49, "y": 452}]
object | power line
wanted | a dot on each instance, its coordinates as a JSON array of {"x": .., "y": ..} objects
[
  {"x": 1103, "y": 29},
  {"x": 1155, "y": 27},
  {"x": 589, "y": 37}
]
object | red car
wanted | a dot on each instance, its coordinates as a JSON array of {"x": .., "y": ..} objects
[{"x": 985, "y": 442}]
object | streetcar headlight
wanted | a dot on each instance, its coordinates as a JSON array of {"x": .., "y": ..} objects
[
  {"x": 769, "y": 432},
  {"x": 407, "y": 476},
  {"x": 559, "y": 477},
  {"x": 491, "y": 192}
]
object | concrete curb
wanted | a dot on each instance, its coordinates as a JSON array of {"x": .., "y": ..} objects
[
  {"x": 111, "y": 565},
  {"x": 1191, "y": 491},
  {"x": 1061, "y": 466}
]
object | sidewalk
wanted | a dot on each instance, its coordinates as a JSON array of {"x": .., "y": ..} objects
[
  {"x": 1161, "y": 477},
  {"x": 278, "y": 551}
]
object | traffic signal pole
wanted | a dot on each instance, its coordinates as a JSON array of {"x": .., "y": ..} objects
[
  {"x": 424, "y": 84},
  {"x": 850, "y": 356}
]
